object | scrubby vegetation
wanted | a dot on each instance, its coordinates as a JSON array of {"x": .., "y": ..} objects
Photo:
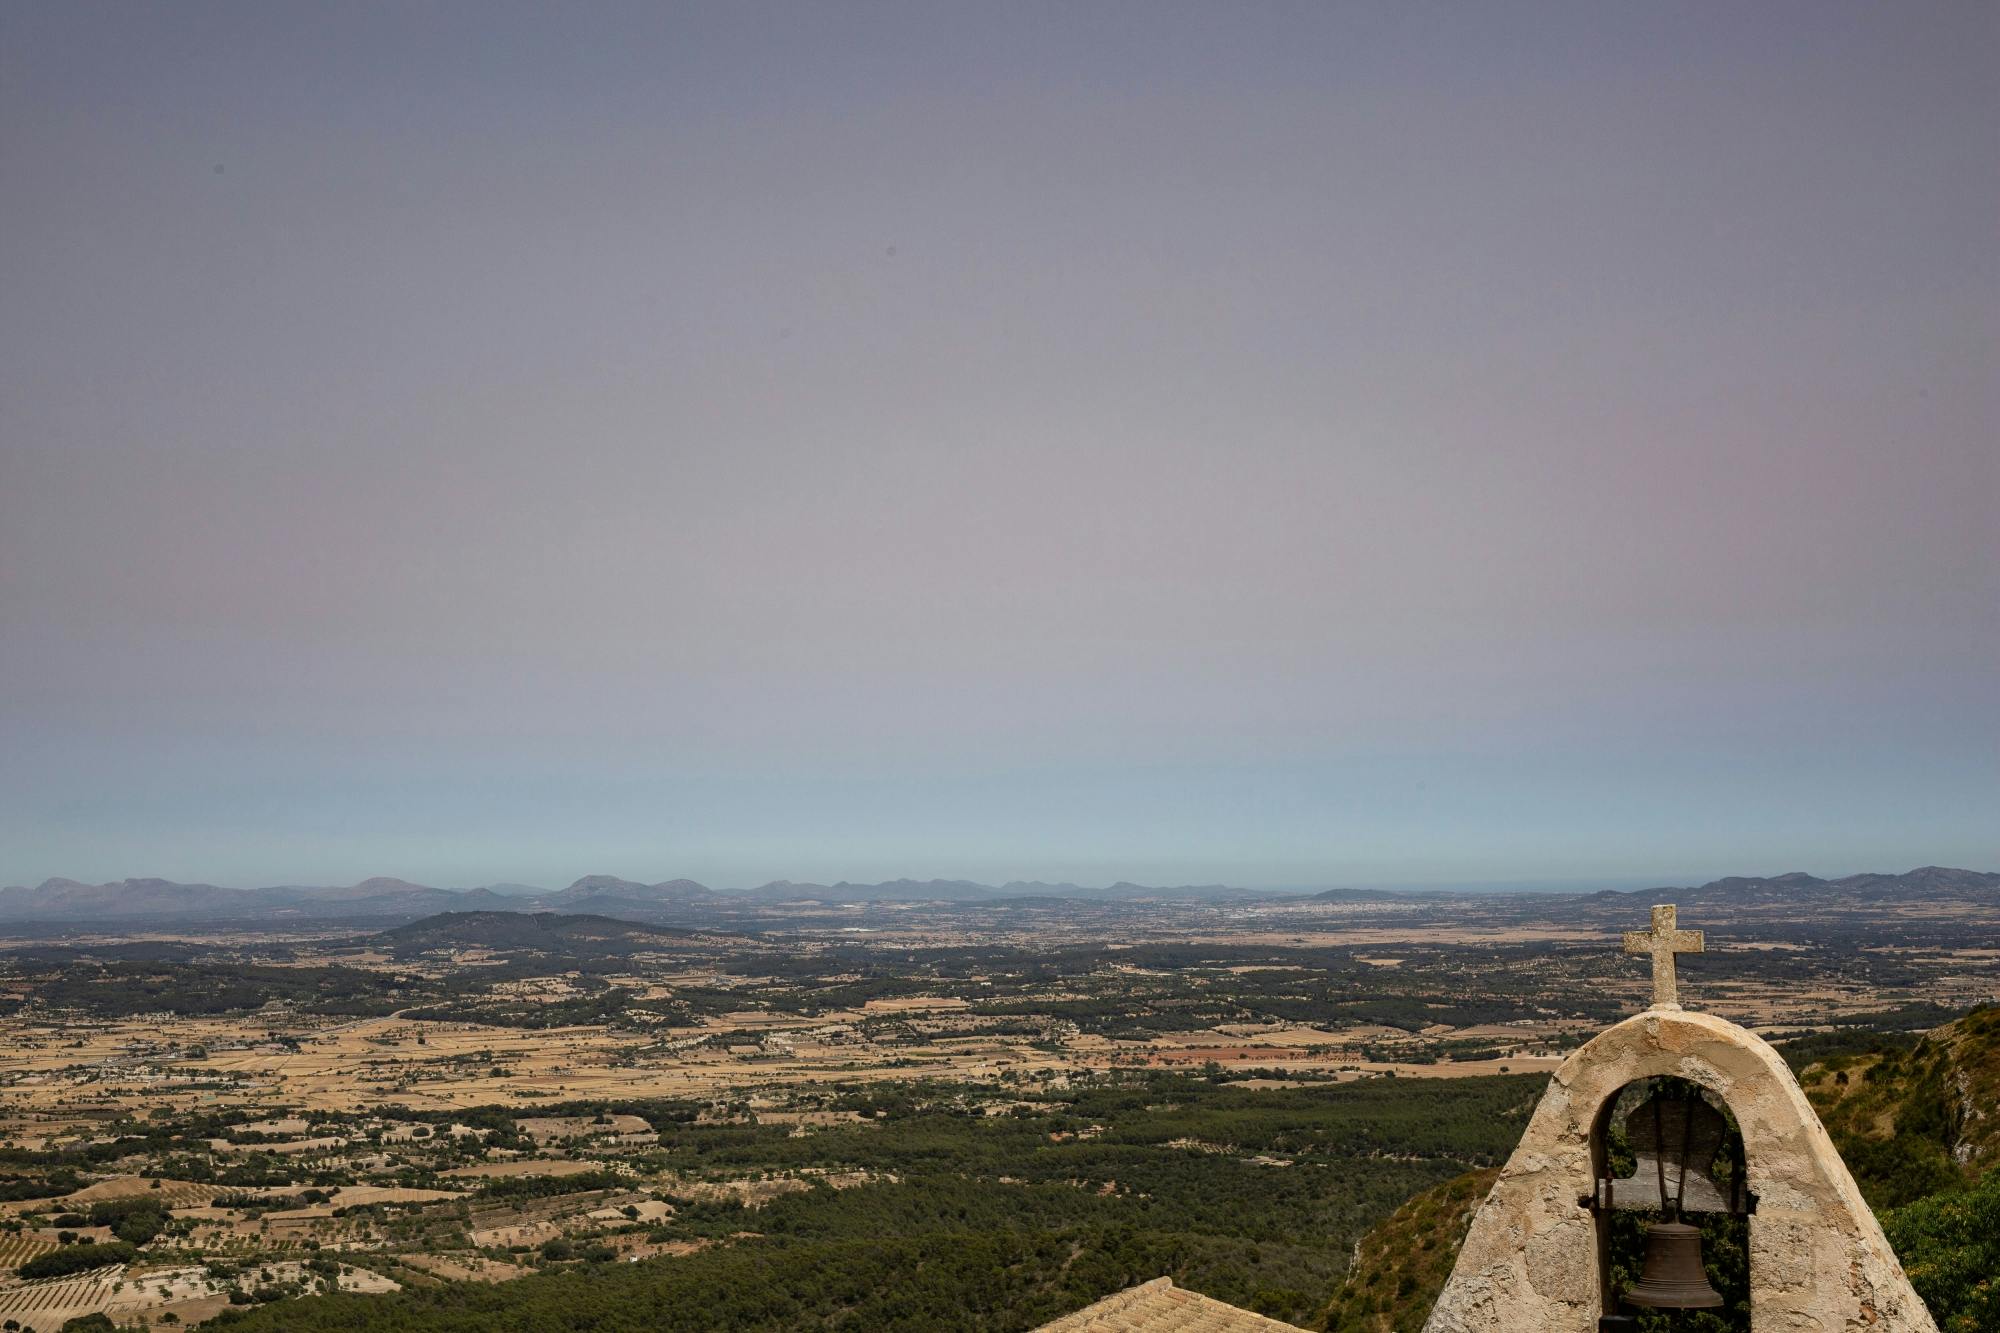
[
  {"x": 1950, "y": 1245},
  {"x": 1401, "y": 1265},
  {"x": 1914, "y": 1119}
]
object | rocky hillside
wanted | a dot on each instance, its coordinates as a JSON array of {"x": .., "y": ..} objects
[
  {"x": 1400, "y": 1266},
  {"x": 1915, "y": 1121}
]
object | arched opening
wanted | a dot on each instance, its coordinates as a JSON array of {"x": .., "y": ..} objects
[
  {"x": 1532, "y": 1258},
  {"x": 1668, "y": 1151}
]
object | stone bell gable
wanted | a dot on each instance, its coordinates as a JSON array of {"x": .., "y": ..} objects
[{"x": 1818, "y": 1259}]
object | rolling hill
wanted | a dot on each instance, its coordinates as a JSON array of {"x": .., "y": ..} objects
[{"x": 555, "y": 934}]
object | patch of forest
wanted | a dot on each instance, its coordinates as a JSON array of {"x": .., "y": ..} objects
[
  {"x": 120, "y": 988},
  {"x": 550, "y": 934},
  {"x": 1000, "y": 1221}
]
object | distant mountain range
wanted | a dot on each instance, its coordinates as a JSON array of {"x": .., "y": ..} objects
[
  {"x": 1925, "y": 882},
  {"x": 132, "y": 900},
  {"x": 66, "y": 901}
]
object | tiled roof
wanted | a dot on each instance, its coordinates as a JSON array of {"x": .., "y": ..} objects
[{"x": 1161, "y": 1307}]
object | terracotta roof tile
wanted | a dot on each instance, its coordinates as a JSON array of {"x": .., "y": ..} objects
[{"x": 1161, "y": 1307}]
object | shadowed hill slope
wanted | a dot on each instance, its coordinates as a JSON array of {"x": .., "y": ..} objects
[{"x": 1401, "y": 1266}]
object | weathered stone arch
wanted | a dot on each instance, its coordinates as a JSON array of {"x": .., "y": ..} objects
[{"x": 1818, "y": 1260}]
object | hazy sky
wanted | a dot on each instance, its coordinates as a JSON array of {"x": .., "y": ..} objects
[{"x": 1283, "y": 444}]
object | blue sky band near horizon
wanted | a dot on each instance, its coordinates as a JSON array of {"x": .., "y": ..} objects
[{"x": 1273, "y": 444}]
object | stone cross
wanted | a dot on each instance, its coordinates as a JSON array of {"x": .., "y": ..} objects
[{"x": 1663, "y": 941}]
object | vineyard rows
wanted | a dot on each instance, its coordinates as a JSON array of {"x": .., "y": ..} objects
[
  {"x": 17, "y": 1250},
  {"x": 62, "y": 1297}
]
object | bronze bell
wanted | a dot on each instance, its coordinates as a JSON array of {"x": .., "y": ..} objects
[{"x": 1672, "y": 1277}]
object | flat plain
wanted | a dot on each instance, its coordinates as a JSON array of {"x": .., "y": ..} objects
[{"x": 473, "y": 1098}]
